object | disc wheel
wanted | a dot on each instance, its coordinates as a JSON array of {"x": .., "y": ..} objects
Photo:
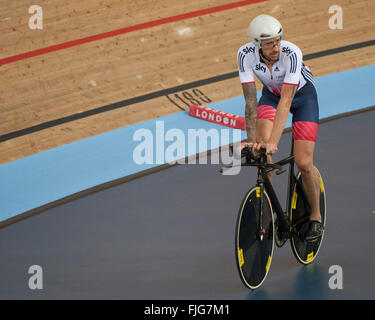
[
  {"x": 254, "y": 256},
  {"x": 305, "y": 251}
]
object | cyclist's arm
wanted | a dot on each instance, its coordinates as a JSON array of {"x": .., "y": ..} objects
[
  {"x": 251, "y": 111},
  {"x": 293, "y": 64},
  {"x": 287, "y": 94},
  {"x": 249, "y": 91}
]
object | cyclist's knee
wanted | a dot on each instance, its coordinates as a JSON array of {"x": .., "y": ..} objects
[
  {"x": 305, "y": 165},
  {"x": 264, "y": 130}
]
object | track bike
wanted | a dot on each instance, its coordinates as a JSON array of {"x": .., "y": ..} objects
[{"x": 262, "y": 223}]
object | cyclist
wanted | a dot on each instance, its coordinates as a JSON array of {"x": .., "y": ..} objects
[{"x": 288, "y": 86}]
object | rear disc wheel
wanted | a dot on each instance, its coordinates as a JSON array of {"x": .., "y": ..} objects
[{"x": 305, "y": 251}]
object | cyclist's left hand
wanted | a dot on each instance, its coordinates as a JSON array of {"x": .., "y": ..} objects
[{"x": 271, "y": 148}]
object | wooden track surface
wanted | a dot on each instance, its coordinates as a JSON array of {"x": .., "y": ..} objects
[{"x": 88, "y": 76}]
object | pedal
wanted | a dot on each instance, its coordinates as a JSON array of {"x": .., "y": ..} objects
[{"x": 280, "y": 240}]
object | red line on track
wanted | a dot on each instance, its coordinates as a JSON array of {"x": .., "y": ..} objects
[{"x": 137, "y": 27}]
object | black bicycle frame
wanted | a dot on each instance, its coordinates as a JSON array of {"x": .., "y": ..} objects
[{"x": 263, "y": 182}]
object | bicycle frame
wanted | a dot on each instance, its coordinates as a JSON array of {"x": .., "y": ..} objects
[{"x": 264, "y": 183}]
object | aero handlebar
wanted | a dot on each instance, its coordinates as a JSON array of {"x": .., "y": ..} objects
[{"x": 249, "y": 159}]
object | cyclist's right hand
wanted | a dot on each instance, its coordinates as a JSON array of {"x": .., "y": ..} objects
[{"x": 252, "y": 145}]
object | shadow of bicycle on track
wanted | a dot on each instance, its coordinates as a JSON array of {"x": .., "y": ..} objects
[{"x": 309, "y": 283}]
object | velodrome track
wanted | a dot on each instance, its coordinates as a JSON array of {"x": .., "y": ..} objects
[
  {"x": 75, "y": 93},
  {"x": 170, "y": 235}
]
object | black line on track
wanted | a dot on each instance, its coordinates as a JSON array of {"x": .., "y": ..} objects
[
  {"x": 113, "y": 183},
  {"x": 165, "y": 92}
]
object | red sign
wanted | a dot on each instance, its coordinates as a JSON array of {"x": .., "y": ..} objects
[{"x": 217, "y": 116}]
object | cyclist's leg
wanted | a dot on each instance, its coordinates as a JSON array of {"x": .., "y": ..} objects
[
  {"x": 303, "y": 155},
  {"x": 266, "y": 114},
  {"x": 264, "y": 129},
  {"x": 267, "y": 106},
  {"x": 305, "y": 111},
  {"x": 263, "y": 132}
]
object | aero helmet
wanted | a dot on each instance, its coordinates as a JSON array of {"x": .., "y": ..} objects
[{"x": 264, "y": 27}]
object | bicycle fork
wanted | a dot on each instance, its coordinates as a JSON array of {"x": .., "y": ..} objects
[
  {"x": 261, "y": 230},
  {"x": 260, "y": 233},
  {"x": 284, "y": 224}
]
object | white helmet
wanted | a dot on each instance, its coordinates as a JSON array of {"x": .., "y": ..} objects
[{"x": 264, "y": 27}]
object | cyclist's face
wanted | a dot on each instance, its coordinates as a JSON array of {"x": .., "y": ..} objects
[{"x": 271, "y": 48}]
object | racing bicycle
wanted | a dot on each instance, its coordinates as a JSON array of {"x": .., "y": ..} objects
[{"x": 262, "y": 223}]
